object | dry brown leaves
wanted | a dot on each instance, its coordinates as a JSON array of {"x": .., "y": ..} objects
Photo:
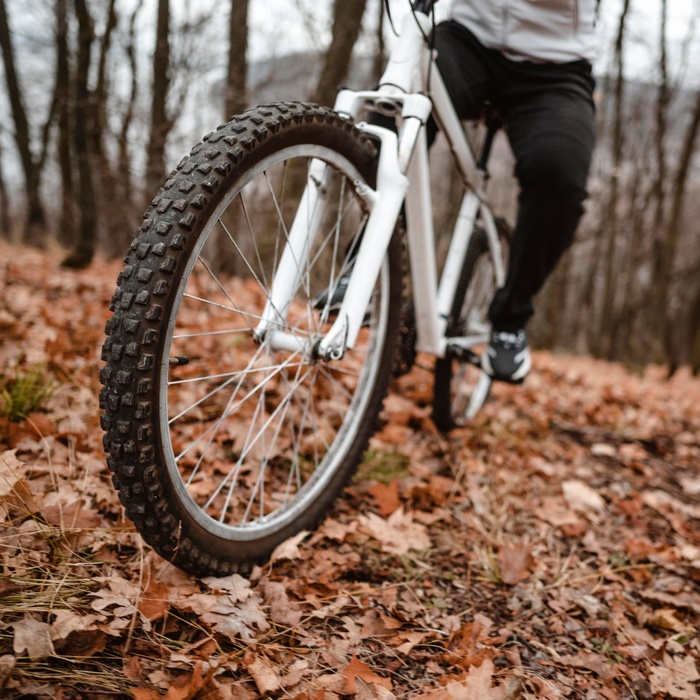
[{"x": 549, "y": 550}]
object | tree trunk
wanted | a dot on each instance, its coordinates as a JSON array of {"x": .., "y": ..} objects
[
  {"x": 67, "y": 216},
  {"x": 663, "y": 260},
  {"x": 600, "y": 341},
  {"x": 35, "y": 223},
  {"x": 87, "y": 232},
  {"x": 236, "y": 99},
  {"x": 160, "y": 122},
  {"x": 124, "y": 193},
  {"x": 5, "y": 215},
  {"x": 347, "y": 22},
  {"x": 694, "y": 344},
  {"x": 668, "y": 250},
  {"x": 106, "y": 176}
]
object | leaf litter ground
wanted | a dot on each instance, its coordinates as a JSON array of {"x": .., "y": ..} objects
[{"x": 548, "y": 550}]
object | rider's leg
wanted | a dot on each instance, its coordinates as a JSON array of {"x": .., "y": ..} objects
[
  {"x": 551, "y": 132},
  {"x": 549, "y": 115},
  {"x": 550, "y": 124},
  {"x": 465, "y": 69}
]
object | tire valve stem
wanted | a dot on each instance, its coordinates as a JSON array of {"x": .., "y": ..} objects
[{"x": 177, "y": 361}]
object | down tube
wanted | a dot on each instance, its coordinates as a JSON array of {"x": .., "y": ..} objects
[{"x": 430, "y": 326}]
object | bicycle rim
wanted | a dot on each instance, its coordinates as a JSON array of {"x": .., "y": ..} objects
[{"x": 252, "y": 436}]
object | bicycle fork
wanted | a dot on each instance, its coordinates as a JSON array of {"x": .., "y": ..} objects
[{"x": 384, "y": 206}]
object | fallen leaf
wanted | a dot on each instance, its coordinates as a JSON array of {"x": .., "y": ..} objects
[
  {"x": 602, "y": 449},
  {"x": 234, "y": 619},
  {"x": 71, "y": 517},
  {"x": 665, "y": 619},
  {"x": 67, "y": 621},
  {"x": 589, "y": 661},
  {"x": 32, "y": 637},
  {"x": 289, "y": 549},
  {"x": 477, "y": 685},
  {"x": 7, "y": 664},
  {"x": 465, "y": 648},
  {"x": 145, "y": 694},
  {"x": 282, "y": 610},
  {"x": 397, "y": 535},
  {"x": 689, "y": 601},
  {"x": 16, "y": 497},
  {"x": 11, "y": 470},
  {"x": 406, "y": 641},
  {"x": 676, "y": 677},
  {"x": 8, "y": 587},
  {"x": 295, "y": 673},
  {"x": 691, "y": 485},
  {"x": 514, "y": 563},
  {"x": 187, "y": 686},
  {"x": 580, "y": 496},
  {"x": 154, "y": 602},
  {"x": 663, "y": 503},
  {"x": 357, "y": 669},
  {"x": 118, "y": 600},
  {"x": 333, "y": 530},
  {"x": 387, "y": 496},
  {"x": 264, "y": 675},
  {"x": 235, "y": 585}
]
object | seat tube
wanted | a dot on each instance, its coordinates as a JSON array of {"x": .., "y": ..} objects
[{"x": 464, "y": 227}]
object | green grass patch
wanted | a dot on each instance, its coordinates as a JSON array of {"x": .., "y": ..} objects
[
  {"x": 382, "y": 466},
  {"x": 24, "y": 393}
]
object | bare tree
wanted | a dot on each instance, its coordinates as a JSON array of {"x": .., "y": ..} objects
[
  {"x": 599, "y": 339},
  {"x": 347, "y": 22},
  {"x": 106, "y": 176},
  {"x": 67, "y": 216},
  {"x": 35, "y": 221},
  {"x": 84, "y": 248},
  {"x": 236, "y": 98},
  {"x": 161, "y": 123},
  {"x": 667, "y": 252},
  {"x": 123, "y": 183},
  {"x": 662, "y": 265},
  {"x": 694, "y": 340},
  {"x": 5, "y": 216}
]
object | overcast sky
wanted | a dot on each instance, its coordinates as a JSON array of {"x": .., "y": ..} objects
[
  {"x": 279, "y": 27},
  {"x": 303, "y": 24}
]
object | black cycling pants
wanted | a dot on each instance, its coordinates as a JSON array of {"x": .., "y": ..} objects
[{"x": 548, "y": 113}]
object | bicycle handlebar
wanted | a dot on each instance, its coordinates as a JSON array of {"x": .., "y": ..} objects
[{"x": 424, "y": 6}]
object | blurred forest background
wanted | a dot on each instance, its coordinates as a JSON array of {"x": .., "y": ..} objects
[{"x": 103, "y": 97}]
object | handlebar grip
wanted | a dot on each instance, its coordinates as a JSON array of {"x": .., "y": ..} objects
[{"x": 424, "y": 6}]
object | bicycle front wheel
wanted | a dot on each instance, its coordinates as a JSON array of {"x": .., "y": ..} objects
[
  {"x": 460, "y": 387},
  {"x": 222, "y": 445}
]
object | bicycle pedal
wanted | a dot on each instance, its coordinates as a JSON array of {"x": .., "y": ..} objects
[
  {"x": 333, "y": 296},
  {"x": 464, "y": 355}
]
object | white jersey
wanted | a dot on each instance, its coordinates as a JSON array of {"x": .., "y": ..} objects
[{"x": 546, "y": 31}]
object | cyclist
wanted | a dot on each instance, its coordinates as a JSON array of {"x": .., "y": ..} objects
[{"x": 532, "y": 60}]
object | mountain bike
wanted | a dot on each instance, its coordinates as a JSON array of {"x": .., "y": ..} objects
[{"x": 240, "y": 388}]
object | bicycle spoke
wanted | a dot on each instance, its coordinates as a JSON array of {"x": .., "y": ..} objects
[
  {"x": 202, "y": 262},
  {"x": 204, "y": 334},
  {"x": 265, "y": 461},
  {"x": 253, "y": 391},
  {"x": 252, "y": 442}
]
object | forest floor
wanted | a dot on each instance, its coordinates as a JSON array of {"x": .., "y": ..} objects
[{"x": 551, "y": 549}]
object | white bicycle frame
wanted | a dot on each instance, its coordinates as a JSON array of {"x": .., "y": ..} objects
[{"x": 413, "y": 89}]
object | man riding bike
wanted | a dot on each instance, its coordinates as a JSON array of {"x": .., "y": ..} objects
[{"x": 531, "y": 59}]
